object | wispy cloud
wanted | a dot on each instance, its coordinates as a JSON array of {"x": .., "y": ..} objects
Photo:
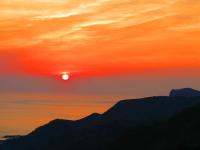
[{"x": 88, "y": 29}]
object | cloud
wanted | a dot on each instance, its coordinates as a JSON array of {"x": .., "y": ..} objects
[
  {"x": 83, "y": 7},
  {"x": 84, "y": 35}
]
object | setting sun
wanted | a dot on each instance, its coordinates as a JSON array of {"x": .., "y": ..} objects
[{"x": 65, "y": 76}]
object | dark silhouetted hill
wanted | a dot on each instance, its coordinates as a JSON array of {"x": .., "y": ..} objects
[
  {"x": 185, "y": 92},
  {"x": 99, "y": 131},
  {"x": 181, "y": 132},
  {"x": 149, "y": 109}
]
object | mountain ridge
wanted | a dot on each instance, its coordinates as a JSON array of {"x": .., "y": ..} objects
[
  {"x": 184, "y": 92},
  {"x": 102, "y": 129}
]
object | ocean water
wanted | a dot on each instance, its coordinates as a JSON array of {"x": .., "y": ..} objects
[{"x": 19, "y": 115}]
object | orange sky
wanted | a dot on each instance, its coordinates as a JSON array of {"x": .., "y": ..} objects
[{"x": 96, "y": 37}]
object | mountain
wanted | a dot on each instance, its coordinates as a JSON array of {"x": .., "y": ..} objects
[
  {"x": 185, "y": 92},
  {"x": 98, "y": 131},
  {"x": 149, "y": 109},
  {"x": 181, "y": 132}
]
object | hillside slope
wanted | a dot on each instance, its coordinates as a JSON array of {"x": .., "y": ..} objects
[{"x": 181, "y": 132}]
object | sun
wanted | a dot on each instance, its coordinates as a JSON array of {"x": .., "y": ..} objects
[{"x": 65, "y": 76}]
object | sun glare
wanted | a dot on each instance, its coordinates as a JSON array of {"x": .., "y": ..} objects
[{"x": 65, "y": 76}]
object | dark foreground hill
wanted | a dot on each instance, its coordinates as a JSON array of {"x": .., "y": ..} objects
[
  {"x": 181, "y": 132},
  {"x": 100, "y": 131}
]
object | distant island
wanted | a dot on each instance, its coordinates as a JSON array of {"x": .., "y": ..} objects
[{"x": 154, "y": 123}]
